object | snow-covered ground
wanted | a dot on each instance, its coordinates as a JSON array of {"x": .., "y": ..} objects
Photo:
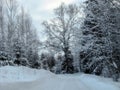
[{"x": 23, "y": 78}]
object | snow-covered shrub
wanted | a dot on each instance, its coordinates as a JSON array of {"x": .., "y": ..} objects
[
  {"x": 24, "y": 62},
  {"x": 5, "y": 59},
  {"x": 17, "y": 62},
  {"x": 47, "y": 61},
  {"x": 36, "y": 65},
  {"x": 116, "y": 76}
]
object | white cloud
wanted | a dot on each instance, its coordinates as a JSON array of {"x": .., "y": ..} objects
[
  {"x": 52, "y": 4},
  {"x": 42, "y": 9}
]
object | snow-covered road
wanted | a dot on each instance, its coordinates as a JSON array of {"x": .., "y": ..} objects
[{"x": 29, "y": 79}]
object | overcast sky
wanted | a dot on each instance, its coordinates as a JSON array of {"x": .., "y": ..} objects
[{"x": 43, "y": 9}]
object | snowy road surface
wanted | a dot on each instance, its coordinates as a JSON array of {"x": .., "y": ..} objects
[{"x": 21, "y": 78}]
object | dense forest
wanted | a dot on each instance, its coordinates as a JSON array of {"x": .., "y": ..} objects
[{"x": 80, "y": 38}]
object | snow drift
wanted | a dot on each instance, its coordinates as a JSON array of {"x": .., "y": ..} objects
[{"x": 23, "y": 78}]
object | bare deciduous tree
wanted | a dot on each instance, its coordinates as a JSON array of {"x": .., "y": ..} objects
[
  {"x": 11, "y": 13},
  {"x": 2, "y": 31},
  {"x": 62, "y": 28}
]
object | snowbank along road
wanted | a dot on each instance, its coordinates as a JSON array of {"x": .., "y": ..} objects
[{"x": 22, "y": 78}]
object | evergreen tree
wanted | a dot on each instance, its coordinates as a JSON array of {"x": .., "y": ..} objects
[{"x": 99, "y": 25}]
